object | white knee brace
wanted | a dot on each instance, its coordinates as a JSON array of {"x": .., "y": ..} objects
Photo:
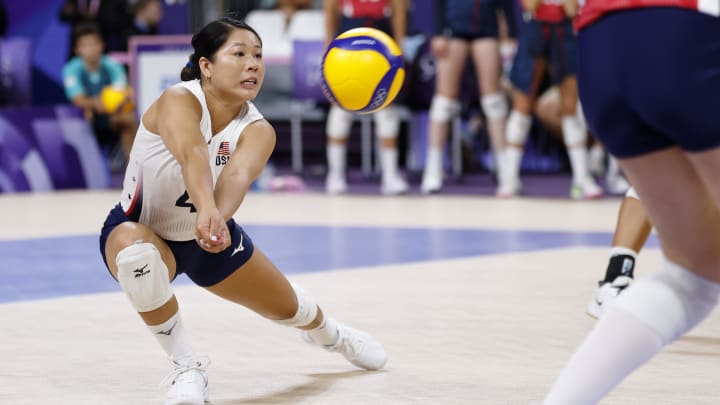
[
  {"x": 143, "y": 276},
  {"x": 671, "y": 301},
  {"x": 338, "y": 123},
  {"x": 443, "y": 109},
  {"x": 387, "y": 123},
  {"x": 306, "y": 312},
  {"x": 574, "y": 131},
  {"x": 632, "y": 193},
  {"x": 518, "y": 127},
  {"x": 494, "y": 105}
]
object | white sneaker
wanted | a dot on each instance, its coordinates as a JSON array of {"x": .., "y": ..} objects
[
  {"x": 393, "y": 185},
  {"x": 508, "y": 188},
  {"x": 358, "y": 347},
  {"x": 616, "y": 184},
  {"x": 335, "y": 184},
  {"x": 432, "y": 181},
  {"x": 585, "y": 189},
  {"x": 606, "y": 293},
  {"x": 188, "y": 383}
]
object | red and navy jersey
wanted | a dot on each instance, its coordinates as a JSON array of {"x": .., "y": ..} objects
[
  {"x": 591, "y": 10},
  {"x": 550, "y": 11},
  {"x": 374, "y": 9}
]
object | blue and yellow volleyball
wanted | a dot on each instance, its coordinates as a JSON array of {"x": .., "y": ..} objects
[{"x": 362, "y": 70}]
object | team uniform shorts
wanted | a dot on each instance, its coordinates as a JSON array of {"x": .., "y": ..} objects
[
  {"x": 203, "y": 268},
  {"x": 649, "y": 79}
]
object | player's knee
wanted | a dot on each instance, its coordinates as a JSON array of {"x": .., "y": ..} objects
[
  {"x": 143, "y": 276},
  {"x": 671, "y": 302},
  {"x": 338, "y": 123},
  {"x": 306, "y": 312},
  {"x": 495, "y": 105},
  {"x": 387, "y": 123},
  {"x": 518, "y": 127},
  {"x": 443, "y": 109},
  {"x": 574, "y": 132}
]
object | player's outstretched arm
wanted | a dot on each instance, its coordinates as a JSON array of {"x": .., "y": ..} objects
[
  {"x": 247, "y": 162},
  {"x": 178, "y": 121}
]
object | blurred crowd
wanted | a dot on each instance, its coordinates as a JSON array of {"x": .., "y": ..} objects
[{"x": 498, "y": 74}]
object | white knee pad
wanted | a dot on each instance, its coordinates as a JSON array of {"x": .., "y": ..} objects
[
  {"x": 632, "y": 193},
  {"x": 143, "y": 276},
  {"x": 443, "y": 109},
  {"x": 338, "y": 123},
  {"x": 580, "y": 114},
  {"x": 518, "y": 127},
  {"x": 387, "y": 123},
  {"x": 494, "y": 105},
  {"x": 306, "y": 312},
  {"x": 574, "y": 131},
  {"x": 670, "y": 302}
]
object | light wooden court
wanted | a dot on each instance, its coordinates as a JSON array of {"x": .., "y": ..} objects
[{"x": 460, "y": 327}]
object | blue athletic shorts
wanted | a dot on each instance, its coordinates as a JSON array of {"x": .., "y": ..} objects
[
  {"x": 649, "y": 79},
  {"x": 555, "y": 43},
  {"x": 203, "y": 268}
]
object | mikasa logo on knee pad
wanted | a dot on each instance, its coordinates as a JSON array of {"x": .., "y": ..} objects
[{"x": 141, "y": 271}]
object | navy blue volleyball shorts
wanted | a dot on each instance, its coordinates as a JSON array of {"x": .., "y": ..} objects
[
  {"x": 649, "y": 88},
  {"x": 554, "y": 43},
  {"x": 203, "y": 268}
]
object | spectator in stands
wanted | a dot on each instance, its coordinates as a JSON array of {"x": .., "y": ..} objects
[
  {"x": 389, "y": 16},
  {"x": 147, "y": 14},
  {"x": 74, "y": 12},
  {"x": 84, "y": 78}
]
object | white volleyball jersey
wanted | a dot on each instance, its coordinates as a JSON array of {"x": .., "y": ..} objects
[{"x": 154, "y": 192}]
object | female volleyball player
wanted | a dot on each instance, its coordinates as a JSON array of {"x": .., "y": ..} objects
[
  {"x": 198, "y": 148},
  {"x": 651, "y": 96},
  {"x": 465, "y": 27}
]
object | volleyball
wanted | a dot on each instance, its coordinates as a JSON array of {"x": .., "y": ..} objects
[
  {"x": 362, "y": 70},
  {"x": 114, "y": 99}
]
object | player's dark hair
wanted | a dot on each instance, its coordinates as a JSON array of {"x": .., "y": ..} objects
[{"x": 208, "y": 40}]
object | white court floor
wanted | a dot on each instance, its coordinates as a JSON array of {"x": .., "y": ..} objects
[{"x": 488, "y": 320}]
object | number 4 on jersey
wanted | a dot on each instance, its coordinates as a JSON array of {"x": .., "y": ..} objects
[{"x": 182, "y": 201}]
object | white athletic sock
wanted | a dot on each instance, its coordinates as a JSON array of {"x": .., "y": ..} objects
[
  {"x": 434, "y": 159},
  {"x": 327, "y": 333},
  {"x": 173, "y": 337},
  {"x": 651, "y": 313},
  {"x": 579, "y": 163},
  {"x": 621, "y": 250},
  {"x": 512, "y": 162},
  {"x": 389, "y": 162},
  {"x": 618, "y": 344},
  {"x": 336, "y": 159}
]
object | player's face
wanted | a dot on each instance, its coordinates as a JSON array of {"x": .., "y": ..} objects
[
  {"x": 89, "y": 47},
  {"x": 238, "y": 67}
]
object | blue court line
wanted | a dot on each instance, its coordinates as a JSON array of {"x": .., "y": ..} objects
[{"x": 60, "y": 266}]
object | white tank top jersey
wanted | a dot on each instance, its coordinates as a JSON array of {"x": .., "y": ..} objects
[{"x": 154, "y": 192}]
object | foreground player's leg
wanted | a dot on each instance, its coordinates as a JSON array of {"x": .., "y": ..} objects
[
  {"x": 143, "y": 265},
  {"x": 261, "y": 287},
  {"x": 631, "y": 232},
  {"x": 656, "y": 310}
]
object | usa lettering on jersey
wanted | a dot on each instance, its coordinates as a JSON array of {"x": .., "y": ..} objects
[{"x": 223, "y": 154}]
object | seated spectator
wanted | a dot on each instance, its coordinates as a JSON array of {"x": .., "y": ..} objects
[
  {"x": 146, "y": 17},
  {"x": 85, "y": 76}
]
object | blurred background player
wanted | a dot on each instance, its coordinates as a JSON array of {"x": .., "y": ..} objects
[
  {"x": 465, "y": 27},
  {"x": 650, "y": 96},
  {"x": 631, "y": 232},
  {"x": 546, "y": 35},
  {"x": 388, "y": 16},
  {"x": 84, "y": 78},
  {"x": 177, "y": 203}
]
